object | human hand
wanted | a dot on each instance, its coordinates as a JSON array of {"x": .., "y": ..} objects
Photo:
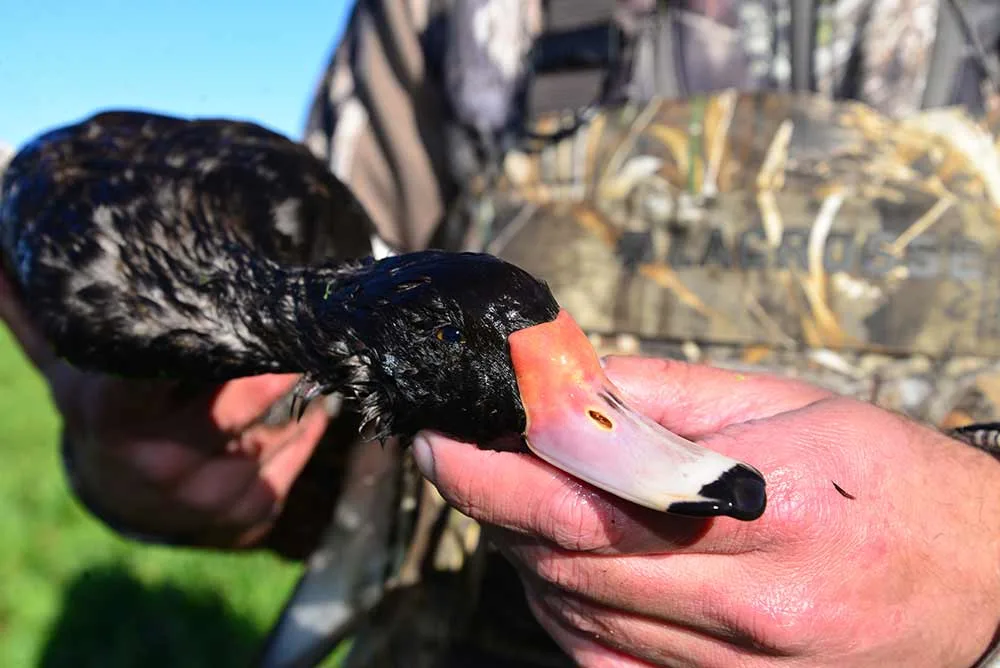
[
  {"x": 901, "y": 567},
  {"x": 170, "y": 462}
]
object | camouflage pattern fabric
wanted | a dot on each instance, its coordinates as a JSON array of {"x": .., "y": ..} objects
[
  {"x": 874, "y": 51},
  {"x": 382, "y": 110},
  {"x": 852, "y": 244},
  {"x": 773, "y": 232}
]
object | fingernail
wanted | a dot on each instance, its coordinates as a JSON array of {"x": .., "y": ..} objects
[{"x": 423, "y": 454}]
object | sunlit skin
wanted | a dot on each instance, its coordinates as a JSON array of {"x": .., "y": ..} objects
[{"x": 903, "y": 574}]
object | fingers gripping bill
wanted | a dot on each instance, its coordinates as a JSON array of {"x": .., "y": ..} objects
[{"x": 578, "y": 421}]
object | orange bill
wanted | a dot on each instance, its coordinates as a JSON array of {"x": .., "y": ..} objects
[{"x": 579, "y": 422}]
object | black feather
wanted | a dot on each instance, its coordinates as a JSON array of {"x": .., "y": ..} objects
[{"x": 152, "y": 246}]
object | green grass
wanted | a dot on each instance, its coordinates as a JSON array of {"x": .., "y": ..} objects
[{"x": 74, "y": 594}]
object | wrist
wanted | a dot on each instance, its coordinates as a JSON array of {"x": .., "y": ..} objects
[
  {"x": 986, "y": 471},
  {"x": 959, "y": 509}
]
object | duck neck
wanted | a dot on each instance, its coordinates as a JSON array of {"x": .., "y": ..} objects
[
  {"x": 304, "y": 319},
  {"x": 253, "y": 317}
]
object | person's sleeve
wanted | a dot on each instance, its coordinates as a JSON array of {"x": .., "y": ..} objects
[{"x": 378, "y": 118}]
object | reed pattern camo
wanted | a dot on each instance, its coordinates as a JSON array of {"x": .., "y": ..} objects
[{"x": 783, "y": 233}]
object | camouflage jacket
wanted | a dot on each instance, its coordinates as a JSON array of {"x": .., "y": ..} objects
[{"x": 822, "y": 223}]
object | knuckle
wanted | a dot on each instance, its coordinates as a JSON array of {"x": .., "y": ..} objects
[
  {"x": 584, "y": 618},
  {"x": 558, "y": 571},
  {"x": 794, "y": 515},
  {"x": 464, "y": 494},
  {"x": 782, "y": 621},
  {"x": 257, "y": 505},
  {"x": 573, "y": 524},
  {"x": 201, "y": 498},
  {"x": 212, "y": 490},
  {"x": 466, "y": 489}
]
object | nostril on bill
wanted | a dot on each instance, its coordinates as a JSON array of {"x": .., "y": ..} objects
[{"x": 600, "y": 419}]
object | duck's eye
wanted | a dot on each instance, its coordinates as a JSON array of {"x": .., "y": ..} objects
[{"x": 449, "y": 334}]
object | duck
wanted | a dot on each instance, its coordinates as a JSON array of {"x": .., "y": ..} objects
[{"x": 148, "y": 246}]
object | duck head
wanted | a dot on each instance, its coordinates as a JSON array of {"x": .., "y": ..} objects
[{"x": 478, "y": 349}]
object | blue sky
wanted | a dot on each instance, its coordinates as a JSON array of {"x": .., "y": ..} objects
[{"x": 63, "y": 59}]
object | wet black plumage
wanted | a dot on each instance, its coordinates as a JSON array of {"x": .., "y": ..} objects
[{"x": 151, "y": 246}]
